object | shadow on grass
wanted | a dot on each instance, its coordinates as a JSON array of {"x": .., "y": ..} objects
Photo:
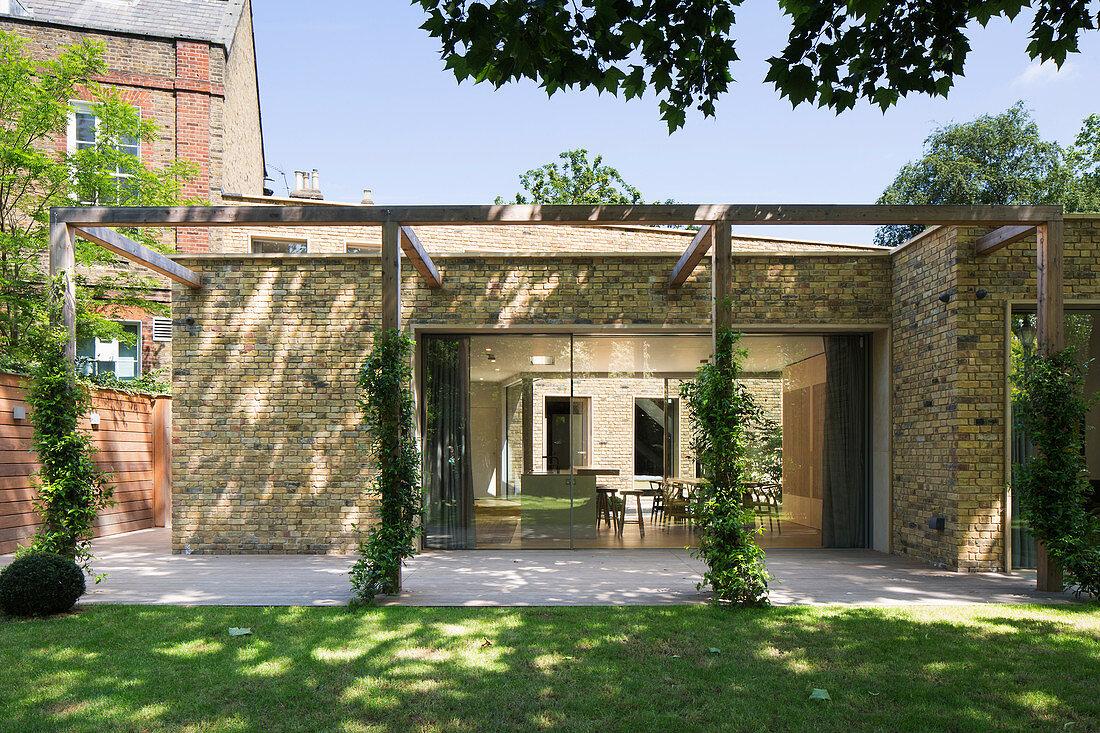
[{"x": 151, "y": 668}]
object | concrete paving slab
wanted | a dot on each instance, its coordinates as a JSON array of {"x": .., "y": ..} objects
[{"x": 141, "y": 570}]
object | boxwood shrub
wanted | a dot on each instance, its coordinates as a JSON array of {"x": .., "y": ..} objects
[{"x": 39, "y": 584}]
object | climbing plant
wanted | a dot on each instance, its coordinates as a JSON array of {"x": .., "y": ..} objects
[
  {"x": 71, "y": 488},
  {"x": 1053, "y": 484},
  {"x": 723, "y": 411},
  {"x": 386, "y": 400}
]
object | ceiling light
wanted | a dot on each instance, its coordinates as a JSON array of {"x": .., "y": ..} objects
[{"x": 542, "y": 360}]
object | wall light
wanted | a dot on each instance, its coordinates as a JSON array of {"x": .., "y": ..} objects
[
  {"x": 542, "y": 360},
  {"x": 94, "y": 420},
  {"x": 19, "y": 412},
  {"x": 982, "y": 293},
  {"x": 945, "y": 297}
]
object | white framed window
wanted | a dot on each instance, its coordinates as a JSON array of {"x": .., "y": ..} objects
[
  {"x": 112, "y": 357},
  {"x": 656, "y": 436},
  {"x": 84, "y": 132},
  {"x": 272, "y": 245},
  {"x": 162, "y": 329},
  {"x": 359, "y": 248}
]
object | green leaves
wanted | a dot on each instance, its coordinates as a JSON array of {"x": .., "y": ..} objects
[
  {"x": 722, "y": 413},
  {"x": 997, "y": 160},
  {"x": 682, "y": 51},
  {"x": 576, "y": 181},
  {"x": 385, "y": 382},
  {"x": 1053, "y": 485},
  {"x": 36, "y": 175},
  {"x": 72, "y": 490}
]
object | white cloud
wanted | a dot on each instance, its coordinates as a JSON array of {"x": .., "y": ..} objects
[{"x": 1045, "y": 73}]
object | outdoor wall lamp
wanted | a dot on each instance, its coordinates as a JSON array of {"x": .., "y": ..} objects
[
  {"x": 19, "y": 412},
  {"x": 94, "y": 420},
  {"x": 982, "y": 293},
  {"x": 938, "y": 524},
  {"x": 945, "y": 297}
]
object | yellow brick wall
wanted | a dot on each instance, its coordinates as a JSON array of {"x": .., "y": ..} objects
[{"x": 268, "y": 445}]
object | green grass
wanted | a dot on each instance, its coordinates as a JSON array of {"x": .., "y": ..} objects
[{"x": 979, "y": 668}]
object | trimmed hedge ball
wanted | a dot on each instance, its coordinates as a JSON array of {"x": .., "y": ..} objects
[{"x": 40, "y": 584}]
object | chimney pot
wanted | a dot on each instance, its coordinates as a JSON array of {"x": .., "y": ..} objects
[
  {"x": 367, "y": 199},
  {"x": 316, "y": 180},
  {"x": 298, "y": 182}
]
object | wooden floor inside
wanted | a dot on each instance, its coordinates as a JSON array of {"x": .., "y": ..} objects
[{"x": 498, "y": 527}]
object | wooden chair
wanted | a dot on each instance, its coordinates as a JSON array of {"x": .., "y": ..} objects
[
  {"x": 768, "y": 502},
  {"x": 657, "y": 486},
  {"x": 674, "y": 504},
  {"x": 605, "y": 507}
]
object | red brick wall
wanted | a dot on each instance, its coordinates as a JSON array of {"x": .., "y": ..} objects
[{"x": 193, "y": 133}]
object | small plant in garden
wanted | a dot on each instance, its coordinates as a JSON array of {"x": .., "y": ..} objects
[
  {"x": 40, "y": 584},
  {"x": 723, "y": 410},
  {"x": 1053, "y": 484},
  {"x": 385, "y": 382},
  {"x": 72, "y": 490}
]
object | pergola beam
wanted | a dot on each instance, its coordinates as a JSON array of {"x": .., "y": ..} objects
[
  {"x": 692, "y": 256},
  {"x": 414, "y": 250},
  {"x": 651, "y": 214},
  {"x": 1002, "y": 237},
  {"x": 123, "y": 246}
]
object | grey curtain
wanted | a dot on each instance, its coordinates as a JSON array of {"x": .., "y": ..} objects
[
  {"x": 449, "y": 496},
  {"x": 846, "y": 482}
]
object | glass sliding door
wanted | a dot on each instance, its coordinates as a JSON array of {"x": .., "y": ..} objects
[
  {"x": 448, "y": 469},
  {"x": 1082, "y": 332},
  {"x": 584, "y": 441}
]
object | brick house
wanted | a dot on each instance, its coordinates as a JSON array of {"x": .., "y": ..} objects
[
  {"x": 548, "y": 364},
  {"x": 580, "y": 325},
  {"x": 190, "y": 67}
]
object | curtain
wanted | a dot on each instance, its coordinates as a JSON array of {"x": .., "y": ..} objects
[
  {"x": 449, "y": 495},
  {"x": 846, "y": 481}
]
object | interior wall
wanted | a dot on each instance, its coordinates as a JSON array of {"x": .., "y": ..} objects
[
  {"x": 804, "y": 440},
  {"x": 486, "y": 420}
]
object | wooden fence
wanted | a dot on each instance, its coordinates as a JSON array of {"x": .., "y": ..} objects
[{"x": 134, "y": 442}]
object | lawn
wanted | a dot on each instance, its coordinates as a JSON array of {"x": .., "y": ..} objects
[{"x": 978, "y": 668}]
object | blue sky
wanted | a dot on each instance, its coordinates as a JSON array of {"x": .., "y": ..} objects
[{"x": 357, "y": 90}]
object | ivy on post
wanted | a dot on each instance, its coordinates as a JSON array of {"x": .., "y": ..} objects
[
  {"x": 1050, "y": 314},
  {"x": 1053, "y": 484},
  {"x": 385, "y": 381},
  {"x": 723, "y": 410},
  {"x": 387, "y": 401}
]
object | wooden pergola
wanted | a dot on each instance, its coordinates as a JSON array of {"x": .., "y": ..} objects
[{"x": 715, "y": 221}]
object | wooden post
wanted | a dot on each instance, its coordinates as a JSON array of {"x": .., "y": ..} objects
[
  {"x": 391, "y": 276},
  {"x": 1051, "y": 336},
  {"x": 721, "y": 276},
  {"x": 391, "y": 320},
  {"x": 63, "y": 263}
]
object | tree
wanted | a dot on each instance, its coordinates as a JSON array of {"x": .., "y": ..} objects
[
  {"x": 997, "y": 160},
  {"x": 39, "y": 171},
  {"x": 576, "y": 181},
  {"x": 836, "y": 54}
]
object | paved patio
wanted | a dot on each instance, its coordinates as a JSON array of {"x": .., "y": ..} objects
[{"x": 141, "y": 570}]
